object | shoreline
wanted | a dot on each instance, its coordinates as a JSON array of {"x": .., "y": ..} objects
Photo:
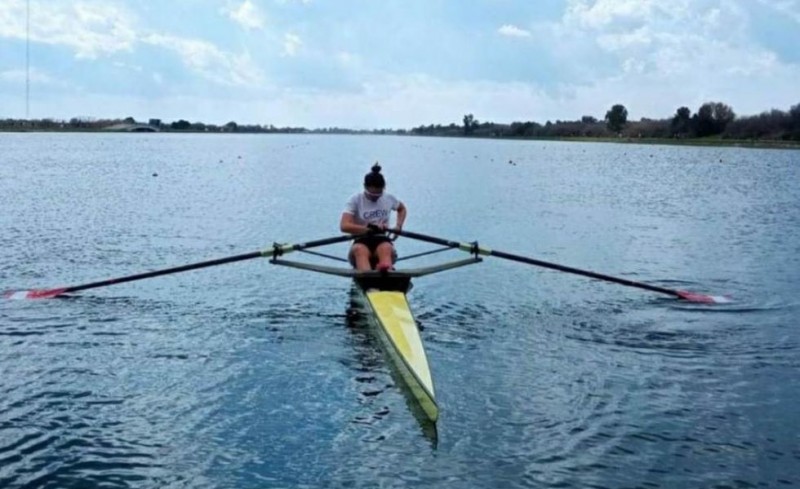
[{"x": 707, "y": 142}]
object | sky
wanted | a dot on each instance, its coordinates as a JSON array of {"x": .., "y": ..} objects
[{"x": 366, "y": 64}]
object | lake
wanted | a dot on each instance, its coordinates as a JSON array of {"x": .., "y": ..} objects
[{"x": 249, "y": 375}]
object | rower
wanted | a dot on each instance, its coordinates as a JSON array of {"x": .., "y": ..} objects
[{"x": 369, "y": 212}]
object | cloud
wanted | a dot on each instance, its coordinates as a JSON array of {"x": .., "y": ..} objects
[
  {"x": 702, "y": 39},
  {"x": 291, "y": 43},
  {"x": 209, "y": 61},
  {"x": 19, "y": 76},
  {"x": 513, "y": 31},
  {"x": 324, "y": 65},
  {"x": 94, "y": 29},
  {"x": 91, "y": 28},
  {"x": 128, "y": 66},
  {"x": 600, "y": 13},
  {"x": 789, "y": 8},
  {"x": 247, "y": 14},
  {"x": 616, "y": 42}
]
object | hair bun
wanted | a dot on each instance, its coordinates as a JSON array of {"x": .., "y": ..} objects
[{"x": 376, "y": 168}]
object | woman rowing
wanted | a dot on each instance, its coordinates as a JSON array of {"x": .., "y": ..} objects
[{"x": 369, "y": 212}]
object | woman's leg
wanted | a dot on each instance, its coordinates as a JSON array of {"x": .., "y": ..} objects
[
  {"x": 384, "y": 253},
  {"x": 361, "y": 254}
]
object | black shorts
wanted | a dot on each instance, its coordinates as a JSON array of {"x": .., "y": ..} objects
[{"x": 372, "y": 241}]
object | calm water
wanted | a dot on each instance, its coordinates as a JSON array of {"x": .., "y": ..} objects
[{"x": 251, "y": 375}]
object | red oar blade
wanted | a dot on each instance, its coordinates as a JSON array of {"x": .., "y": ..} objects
[
  {"x": 33, "y": 294},
  {"x": 702, "y": 298}
]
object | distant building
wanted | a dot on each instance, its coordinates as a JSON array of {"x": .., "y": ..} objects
[{"x": 131, "y": 128}]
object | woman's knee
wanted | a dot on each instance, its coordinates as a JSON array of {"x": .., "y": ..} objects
[{"x": 360, "y": 250}]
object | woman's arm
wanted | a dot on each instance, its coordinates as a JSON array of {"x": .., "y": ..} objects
[
  {"x": 401, "y": 215},
  {"x": 349, "y": 226}
]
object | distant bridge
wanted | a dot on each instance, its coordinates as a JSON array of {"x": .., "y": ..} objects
[{"x": 124, "y": 127}]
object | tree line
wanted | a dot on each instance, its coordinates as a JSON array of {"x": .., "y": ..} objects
[
  {"x": 715, "y": 120},
  {"x": 93, "y": 124},
  {"x": 712, "y": 119}
]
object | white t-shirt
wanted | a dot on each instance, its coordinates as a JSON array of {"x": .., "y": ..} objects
[{"x": 365, "y": 211}]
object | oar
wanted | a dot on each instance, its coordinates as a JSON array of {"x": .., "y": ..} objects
[
  {"x": 474, "y": 248},
  {"x": 276, "y": 250}
]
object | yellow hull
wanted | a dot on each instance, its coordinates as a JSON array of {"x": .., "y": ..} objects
[{"x": 399, "y": 333}]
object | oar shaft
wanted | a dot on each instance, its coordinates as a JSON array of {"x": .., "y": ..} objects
[
  {"x": 585, "y": 273},
  {"x": 276, "y": 250},
  {"x": 166, "y": 271},
  {"x": 471, "y": 247}
]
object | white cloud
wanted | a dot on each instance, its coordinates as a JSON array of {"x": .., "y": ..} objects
[
  {"x": 651, "y": 55},
  {"x": 128, "y": 66},
  {"x": 19, "y": 76},
  {"x": 90, "y": 28},
  {"x": 705, "y": 38},
  {"x": 346, "y": 58},
  {"x": 291, "y": 44},
  {"x": 209, "y": 61},
  {"x": 789, "y": 8},
  {"x": 247, "y": 14},
  {"x": 600, "y": 13},
  {"x": 513, "y": 31},
  {"x": 616, "y": 42}
]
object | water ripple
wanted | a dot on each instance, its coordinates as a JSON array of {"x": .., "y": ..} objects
[{"x": 251, "y": 375}]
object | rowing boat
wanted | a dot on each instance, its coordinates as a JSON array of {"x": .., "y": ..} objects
[
  {"x": 390, "y": 315},
  {"x": 384, "y": 297}
]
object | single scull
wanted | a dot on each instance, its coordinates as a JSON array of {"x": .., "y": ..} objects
[{"x": 384, "y": 296}]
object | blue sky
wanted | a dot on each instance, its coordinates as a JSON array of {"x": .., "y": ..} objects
[{"x": 395, "y": 63}]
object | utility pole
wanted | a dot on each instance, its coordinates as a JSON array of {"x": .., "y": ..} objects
[{"x": 28, "y": 60}]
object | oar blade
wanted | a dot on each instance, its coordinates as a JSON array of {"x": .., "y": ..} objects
[
  {"x": 702, "y": 298},
  {"x": 33, "y": 294}
]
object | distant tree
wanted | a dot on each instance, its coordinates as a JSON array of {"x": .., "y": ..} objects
[
  {"x": 703, "y": 120},
  {"x": 650, "y": 128},
  {"x": 587, "y": 119},
  {"x": 523, "y": 129},
  {"x": 794, "y": 113},
  {"x": 723, "y": 115},
  {"x": 616, "y": 118},
  {"x": 712, "y": 118},
  {"x": 794, "y": 123},
  {"x": 773, "y": 124},
  {"x": 231, "y": 126},
  {"x": 181, "y": 125},
  {"x": 469, "y": 124},
  {"x": 129, "y": 120},
  {"x": 681, "y": 121}
]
